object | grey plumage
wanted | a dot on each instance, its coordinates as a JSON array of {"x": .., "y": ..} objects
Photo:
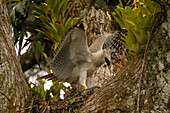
[{"x": 74, "y": 60}]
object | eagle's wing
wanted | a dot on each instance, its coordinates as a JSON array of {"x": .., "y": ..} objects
[
  {"x": 107, "y": 41},
  {"x": 97, "y": 44},
  {"x": 71, "y": 50},
  {"x": 111, "y": 41},
  {"x": 114, "y": 42}
]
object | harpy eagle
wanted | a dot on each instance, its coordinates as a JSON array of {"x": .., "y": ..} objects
[{"x": 73, "y": 60}]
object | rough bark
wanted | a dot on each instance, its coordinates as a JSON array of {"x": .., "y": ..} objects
[
  {"x": 98, "y": 21},
  {"x": 13, "y": 87},
  {"x": 143, "y": 86}
]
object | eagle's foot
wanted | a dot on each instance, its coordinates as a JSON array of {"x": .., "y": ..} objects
[
  {"x": 85, "y": 87},
  {"x": 88, "y": 91}
]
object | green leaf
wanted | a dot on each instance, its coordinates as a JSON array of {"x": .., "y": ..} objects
[
  {"x": 120, "y": 3},
  {"x": 54, "y": 17},
  {"x": 51, "y": 3},
  {"x": 38, "y": 10},
  {"x": 56, "y": 97},
  {"x": 131, "y": 22},
  {"x": 68, "y": 22},
  {"x": 128, "y": 10},
  {"x": 65, "y": 6},
  {"x": 75, "y": 20},
  {"x": 61, "y": 31},
  {"x": 45, "y": 8},
  {"x": 47, "y": 94},
  {"x": 72, "y": 101},
  {"x": 140, "y": 17},
  {"x": 40, "y": 48},
  {"x": 44, "y": 19},
  {"x": 119, "y": 18},
  {"x": 54, "y": 28},
  {"x": 36, "y": 54},
  {"x": 46, "y": 34},
  {"x": 122, "y": 10},
  {"x": 41, "y": 92},
  {"x": 34, "y": 90},
  {"x": 57, "y": 10}
]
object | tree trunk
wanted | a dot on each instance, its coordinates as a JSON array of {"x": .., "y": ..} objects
[
  {"x": 143, "y": 86},
  {"x": 13, "y": 87}
]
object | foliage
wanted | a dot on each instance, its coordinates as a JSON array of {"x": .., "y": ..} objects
[
  {"x": 137, "y": 21},
  {"x": 46, "y": 20},
  {"x": 52, "y": 94},
  {"x": 52, "y": 20},
  {"x": 38, "y": 90},
  {"x": 18, "y": 16},
  {"x": 55, "y": 90}
]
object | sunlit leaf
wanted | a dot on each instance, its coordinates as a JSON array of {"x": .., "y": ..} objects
[
  {"x": 51, "y": 3},
  {"x": 137, "y": 21}
]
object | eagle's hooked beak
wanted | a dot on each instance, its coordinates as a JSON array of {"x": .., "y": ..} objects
[{"x": 107, "y": 61}]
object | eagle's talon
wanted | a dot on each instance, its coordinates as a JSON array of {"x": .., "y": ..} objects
[{"x": 85, "y": 87}]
